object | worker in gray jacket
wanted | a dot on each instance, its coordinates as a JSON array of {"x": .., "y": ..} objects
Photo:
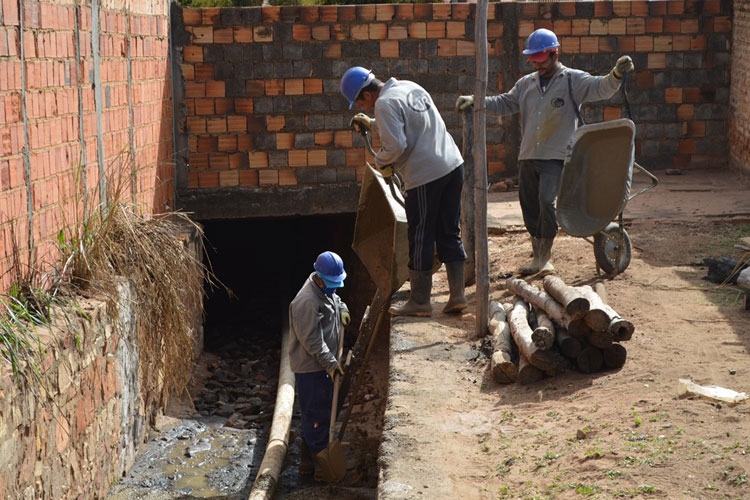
[
  {"x": 549, "y": 101},
  {"x": 317, "y": 317},
  {"x": 416, "y": 142}
]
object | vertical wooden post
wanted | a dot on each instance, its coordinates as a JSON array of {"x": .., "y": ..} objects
[
  {"x": 467, "y": 196},
  {"x": 480, "y": 173}
]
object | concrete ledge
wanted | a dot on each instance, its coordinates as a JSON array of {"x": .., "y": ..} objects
[{"x": 244, "y": 203}]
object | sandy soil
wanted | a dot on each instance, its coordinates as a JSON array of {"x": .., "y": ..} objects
[{"x": 451, "y": 432}]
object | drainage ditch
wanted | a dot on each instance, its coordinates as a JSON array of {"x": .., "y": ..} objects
[{"x": 211, "y": 444}]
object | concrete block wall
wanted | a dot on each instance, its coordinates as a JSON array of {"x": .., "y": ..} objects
[
  {"x": 739, "y": 107},
  {"x": 89, "y": 100},
  {"x": 263, "y": 109}
]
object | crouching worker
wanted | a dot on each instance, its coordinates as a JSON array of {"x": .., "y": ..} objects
[{"x": 317, "y": 317}]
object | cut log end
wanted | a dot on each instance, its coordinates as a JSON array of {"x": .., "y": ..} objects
[
  {"x": 528, "y": 373},
  {"x": 590, "y": 360},
  {"x": 615, "y": 356},
  {"x": 502, "y": 368},
  {"x": 577, "y": 308},
  {"x": 543, "y": 338},
  {"x": 621, "y": 329}
]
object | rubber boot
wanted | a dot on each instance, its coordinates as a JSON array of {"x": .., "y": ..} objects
[
  {"x": 306, "y": 461},
  {"x": 419, "y": 299},
  {"x": 545, "y": 256},
  {"x": 533, "y": 266},
  {"x": 457, "y": 301}
]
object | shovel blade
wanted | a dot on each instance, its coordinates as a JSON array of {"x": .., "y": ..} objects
[{"x": 331, "y": 463}]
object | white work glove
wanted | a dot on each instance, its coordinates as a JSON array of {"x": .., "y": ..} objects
[
  {"x": 336, "y": 370},
  {"x": 622, "y": 66},
  {"x": 361, "y": 121},
  {"x": 464, "y": 102},
  {"x": 345, "y": 318}
]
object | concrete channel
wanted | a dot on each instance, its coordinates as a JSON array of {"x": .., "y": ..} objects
[{"x": 211, "y": 444}]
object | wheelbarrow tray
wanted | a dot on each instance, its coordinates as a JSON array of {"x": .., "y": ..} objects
[
  {"x": 596, "y": 176},
  {"x": 380, "y": 233}
]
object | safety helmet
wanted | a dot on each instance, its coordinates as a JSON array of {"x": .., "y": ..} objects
[
  {"x": 330, "y": 268},
  {"x": 540, "y": 43},
  {"x": 355, "y": 79}
]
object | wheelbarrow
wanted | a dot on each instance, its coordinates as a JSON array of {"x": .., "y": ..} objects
[
  {"x": 595, "y": 187},
  {"x": 380, "y": 230}
]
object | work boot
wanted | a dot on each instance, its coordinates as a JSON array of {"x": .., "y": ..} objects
[
  {"x": 306, "y": 461},
  {"x": 533, "y": 266},
  {"x": 457, "y": 301},
  {"x": 545, "y": 255},
  {"x": 419, "y": 299}
]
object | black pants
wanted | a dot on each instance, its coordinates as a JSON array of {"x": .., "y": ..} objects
[
  {"x": 433, "y": 213},
  {"x": 537, "y": 190}
]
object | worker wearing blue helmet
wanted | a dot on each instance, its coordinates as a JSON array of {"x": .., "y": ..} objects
[
  {"x": 416, "y": 142},
  {"x": 549, "y": 101},
  {"x": 317, "y": 318}
]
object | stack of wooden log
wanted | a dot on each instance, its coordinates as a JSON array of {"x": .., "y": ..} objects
[{"x": 547, "y": 332}]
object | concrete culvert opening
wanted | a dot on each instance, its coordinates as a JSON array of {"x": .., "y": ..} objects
[{"x": 259, "y": 265}]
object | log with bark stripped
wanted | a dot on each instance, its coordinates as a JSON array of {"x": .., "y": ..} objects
[
  {"x": 544, "y": 333},
  {"x": 590, "y": 359},
  {"x": 575, "y": 304},
  {"x": 540, "y": 300},
  {"x": 502, "y": 368},
  {"x": 528, "y": 373},
  {"x": 602, "y": 317},
  {"x": 548, "y": 361}
]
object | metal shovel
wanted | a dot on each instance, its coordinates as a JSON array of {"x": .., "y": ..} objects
[{"x": 331, "y": 461}]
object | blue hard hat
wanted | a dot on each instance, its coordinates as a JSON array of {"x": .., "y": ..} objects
[
  {"x": 330, "y": 268},
  {"x": 355, "y": 79},
  {"x": 541, "y": 40}
]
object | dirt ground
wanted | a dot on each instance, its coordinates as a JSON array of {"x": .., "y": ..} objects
[{"x": 451, "y": 432}]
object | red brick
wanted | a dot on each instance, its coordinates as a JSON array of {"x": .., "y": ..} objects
[
  {"x": 216, "y": 124},
  {"x": 208, "y": 179},
  {"x": 333, "y": 51},
  {"x": 385, "y": 12},
  {"x": 691, "y": 94},
  {"x": 441, "y": 11},
  {"x": 673, "y": 95},
  {"x": 284, "y": 140},
  {"x": 202, "y": 34},
  {"x": 689, "y": 26},
  {"x": 191, "y": 16},
  {"x": 298, "y": 158},
  {"x": 417, "y": 30},
  {"x": 242, "y": 34},
  {"x": 644, "y": 44},
  {"x": 204, "y": 106},
  {"x": 342, "y": 139},
  {"x": 243, "y": 105},
  {"x": 681, "y": 43},
  {"x": 275, "y": 123},
  {"x": 229, "y": 178},
  {"x": 204, "y": 71},
  {"x": 274, "y": 87},
  {"x": 287, "y": 177},
  {"x": 301, "y": 32},
  {"x": 589, "y": 44},
  {"x": 207, "y": 143},
  {"x": 268, "y": 177},
  {"x": 603, "y": 9},
  {"x": 215, "y": 88},
  {"x": 570, "y": 44},
  {"x": 218, "y": 161},
  {"x": 313, "y": 86},
  {"x": 696, "y": 129},
  {"x": 316, "y": 158},
  {"x": 465, "y": 48},
  {"x": 435, "y": 29},
  {"x": 722, "y": 24},
  {"x": 698, "y": 43},
  {"x": 626, "y": 43},
  {"x": 223, "y": 105},
  {"x": 321, "y": 32},
  {"x": 657, "y": 61},
  {"x": 580, "y": 27},
  {"x": 244, "y": 142},
  {"x": 621, "y": 9},
  {"x": 227, "y": 143},
  {"x": 309, "y": 14},
  {"x": 567, "y": 9},
  {"x": 617, "y": 26},
  {"x": 405, "y": 11},
  {"x": 248, "y": 178},
  {"x": 192, "y": 53},
  {"x": 258, "y": 159},
  {"x": 211, "y": 15},
  {"x": 237, "y": 123},
  {"x": 686, "y": 146},
  {"x": 294, "y": 86},
  {"x": 685, "y": 112},
  {"x": 328, "y": 13},
  {"x": 612, "y": 113},
  {"x": 654, "y": 25},
  {"x": 263, "y": 33},
  {"x": 676, "y": 7},
  {"x": 323, "y": 138},
  {"x": 347, "y": 13}
]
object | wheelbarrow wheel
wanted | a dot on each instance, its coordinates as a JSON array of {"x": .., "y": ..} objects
[{"x": 607, "y": 244}]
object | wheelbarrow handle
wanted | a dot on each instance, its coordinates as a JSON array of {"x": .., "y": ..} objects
[
  {"x": 654, "y": 181},
  {"x": 396, "y": 190}
]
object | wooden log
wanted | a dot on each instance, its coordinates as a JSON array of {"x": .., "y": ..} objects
[
  {"x": 539, "y": 299},
  {"x": 579, "y": 328},
  {"x": 567, "y": 344},
  {"x": 502, "y": 368},
  {"x": 547, "y": 361},
  {"x": 606, "y": 318},
  {"x": 528, "y": 373},
  {"x": 602, "y": 340},
  {"x": 601, "y": 291},
  {"x": 543, "y": 335},
  {"x": 590, "y": 359},
  {"x": 575, "y": 304},
  {"x": 615, "y": 356}
]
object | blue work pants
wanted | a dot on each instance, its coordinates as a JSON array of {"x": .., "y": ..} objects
[
  {"x": 538, "y": 181},
  {"x": 315, "y": 396}
]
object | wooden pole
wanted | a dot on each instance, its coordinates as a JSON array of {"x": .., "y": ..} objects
[
  {"x": 467, "y": 196},
  {"x": 480, "y": 172}
]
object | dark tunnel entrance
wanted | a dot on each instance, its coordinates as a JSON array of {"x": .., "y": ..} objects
[{"x": 260, "y": 264}]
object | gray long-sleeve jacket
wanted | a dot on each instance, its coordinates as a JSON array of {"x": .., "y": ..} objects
[
  {"x": 413, "y": 134},
  {"x": 549, "y": 118},
  {"x": 314, "y": 329}
]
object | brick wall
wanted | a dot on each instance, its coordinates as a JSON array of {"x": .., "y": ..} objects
[
  {"x": 41, "y": 91},
  {"x": 263, "y": 109},
  {"x": 739, "y": 108}
]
